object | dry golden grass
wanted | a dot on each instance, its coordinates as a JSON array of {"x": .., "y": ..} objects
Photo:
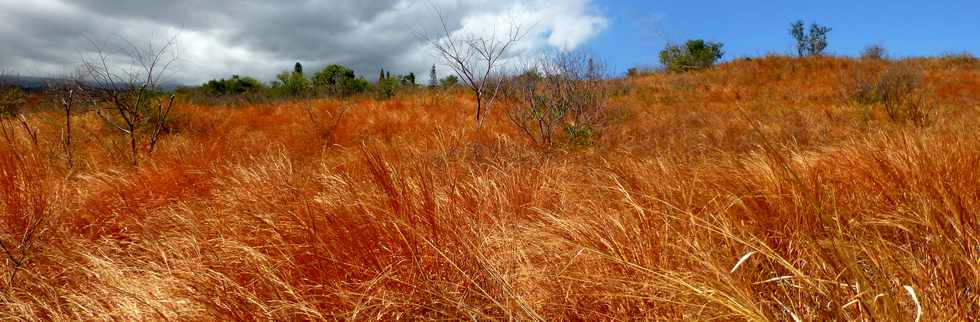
[{"x": 754, "y": 191}]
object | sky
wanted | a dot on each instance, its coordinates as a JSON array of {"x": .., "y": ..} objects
[
  {"x": 259, "y": 38},
  {"x": 638, "y": 29}
]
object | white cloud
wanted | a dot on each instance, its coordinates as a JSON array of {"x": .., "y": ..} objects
[{"x": 218, "y": 38}]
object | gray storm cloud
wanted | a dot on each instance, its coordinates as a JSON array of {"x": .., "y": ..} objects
[{"x": 217, "y": 38}]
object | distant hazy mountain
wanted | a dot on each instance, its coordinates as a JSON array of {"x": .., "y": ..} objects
[{"x": 32, "y": 83}]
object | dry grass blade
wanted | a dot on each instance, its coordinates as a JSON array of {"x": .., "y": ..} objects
[{"x": 399, "y": 209}]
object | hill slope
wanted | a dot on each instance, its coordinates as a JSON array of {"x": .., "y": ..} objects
[{"x": 768, "y": 189}]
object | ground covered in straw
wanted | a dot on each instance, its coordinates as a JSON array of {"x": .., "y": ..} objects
[{"x": 759, "y": 190}]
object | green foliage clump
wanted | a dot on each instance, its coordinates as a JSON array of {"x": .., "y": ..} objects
[
  {"x": 235, "y": 85},
  {"x": 408, "y": 80},
  {"x": 291, "y": 84},
  {"x": 810, "y": 43},
  {"x": 579, "y": 135},
  {"x": 356, "y": 85},
  {"x": 153, "y": 113},
  {"x": 387, "y": 87},
  {"x": 298, "y": 68},
  {"x": 562, "y": 101},
  {"x": 339, "y": 80},
  {"x": 11, "y": 100},
  {"x": 449, "y": 81},
  {"x": 332, "y": 75},
  {"x": 694, "y": 55},
  {"x": 433, "y": 79}
]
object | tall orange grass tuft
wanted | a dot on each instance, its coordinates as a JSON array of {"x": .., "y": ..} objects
[{"x": 752, "y": 191}]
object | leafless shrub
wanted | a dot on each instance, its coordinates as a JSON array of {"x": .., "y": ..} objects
[
  {"x": 325, "y": 124},
  {"x": 67, "y": 102},
  {"x": 134, "y": 99},
  {"x": 30, "y": 130},
  {"x": 897, "y": 90},
  {"x": 874, "y": 52},
  {"x": 963, "y": 60},
  {"x": 9, "y": 126},
  {"x": 563, "y": 98},
  {"x": 476, "y": 59},
  {"x": 633, "y": 72}
]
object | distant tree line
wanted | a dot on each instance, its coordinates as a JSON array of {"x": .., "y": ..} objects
[
  {"x": 235, "y": 85},
  {"x": 340, "y": 81},
  {"x": 697, "y": 54},
  {"x": 333, "y": 80}
]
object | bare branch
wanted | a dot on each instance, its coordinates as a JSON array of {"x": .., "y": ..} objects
[
  {"x": 161, "y": 122},
  {"x": 130, "y": 89},
  {"x": 66, "y": 102},
  {"x": 98, "y": 112},
  {"x": 31, "y": 132},
  {"x": 474, "y": 58}
]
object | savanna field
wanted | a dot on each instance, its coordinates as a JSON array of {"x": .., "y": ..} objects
[{"x": 766, "y": 189}]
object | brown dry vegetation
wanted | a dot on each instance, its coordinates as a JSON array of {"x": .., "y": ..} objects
[{"x": 753, "y": 191}]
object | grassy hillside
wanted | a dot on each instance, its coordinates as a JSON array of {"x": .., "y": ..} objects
[{"x": 763, "y": 189}]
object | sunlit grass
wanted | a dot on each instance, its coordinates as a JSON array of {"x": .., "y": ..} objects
[{"x": 754, "y": 191}]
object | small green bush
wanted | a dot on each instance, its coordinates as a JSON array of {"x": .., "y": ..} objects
[
  {"x": 332, "y": 75},
  {"x": 387, "y": 87},
  {"x": 11, "y": 101},
  {"x": 339, "y": 80},
  {"x": 234, "y": 86},
  {"x": 563, "y": 100},
  {"x": 694, "y": 55},
  {"x": 408, "y": 80},
  {"x": 449, "y": 81},
  {"x": 580, "y": 135},
  {"x": 355, "y": 85},
  {"x": 291, "y": 84}
]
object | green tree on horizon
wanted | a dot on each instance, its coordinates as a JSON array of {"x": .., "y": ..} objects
[
  {"x": 811, "y": 42},
  {"x": 298, "y": 68},
  {"x": 694, "y": 55},
  {"x": 433, "y": 79},
  {"x": 339, "y": 80}
]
